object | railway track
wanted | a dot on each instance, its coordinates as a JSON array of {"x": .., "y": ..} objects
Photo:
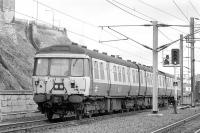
[
  {"x": 19, "y": 125},
  {"x": 42, "y": 125},
  {"x": 174, "y": 127},
  {"x": 33, "y": 126}
]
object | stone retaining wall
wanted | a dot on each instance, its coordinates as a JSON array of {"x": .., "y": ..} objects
[{"x": 16, "y": 104}]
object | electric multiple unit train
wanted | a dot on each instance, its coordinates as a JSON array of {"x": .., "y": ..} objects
[{"x": 70, "y": 79}]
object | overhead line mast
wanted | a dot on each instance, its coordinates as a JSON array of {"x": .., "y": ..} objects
[
  {"x": 192, "y": 61},
  {"x": 155, "y": 68}
]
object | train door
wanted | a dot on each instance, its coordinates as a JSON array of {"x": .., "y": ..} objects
[
  {"x": 100, "y": 78},
  {"x": 129, "y": 80},
  {"x": 108, "y": 76},
  {"x": 145, "y": 82}
]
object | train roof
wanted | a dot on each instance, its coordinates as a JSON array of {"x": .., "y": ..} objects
[
  {"x": 74, "y": 48},
  {"x": 77, "y": 49},
  {"x": 146, "y": 68}
]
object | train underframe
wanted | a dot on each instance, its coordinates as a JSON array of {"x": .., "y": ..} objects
[{"x": 80, "y": 105}]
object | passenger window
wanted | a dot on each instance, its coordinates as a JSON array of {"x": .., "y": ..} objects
[
  {"x": 137, "y": 76},
  {"x": 158, "y": 81},
  {"x": 164, "y": 81},
  {"x": 144, "y": 77},
  {"x": 115, "y": 73},
  {"x": 123, "y": 74},
  {"x": 133, "y": 73},
  {"x": 108, "y": 71},
  {"x": 96, "y": 70},
  {"x": 102, "y": 75},
  {"x": 141, "y": 77},
  {"x": 147, "y": 78},
  {"x": 128, "y": 74},
  {"x": 119, "y": 73}
]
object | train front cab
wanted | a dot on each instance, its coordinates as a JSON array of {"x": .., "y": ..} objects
[{"x": 59, "y": 81}]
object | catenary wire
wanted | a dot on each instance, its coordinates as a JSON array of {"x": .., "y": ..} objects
[
  {"x": 164, "y": 35},
  {"x": 81, "y": 35},
  {"x": 149, "y": 5},
  {"x": 77, "y": 19},
  {"x": 195, "y": 9},
  {"x": 134, "y": 10},
  {"x": 61, "y": 12},
  {"x": 131, "y": 39},
  {"x": 180, "y": 10},
  {"x": 150, "y": 17},
  {"x": 164, "y": 46},
  {"x": 119, "y": 39},
  {"x": 127, "y": 11},
  {"x": 168, "y": 44}
]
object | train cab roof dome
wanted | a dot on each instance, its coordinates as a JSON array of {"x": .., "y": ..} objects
[{"x": 62, "y": 49}]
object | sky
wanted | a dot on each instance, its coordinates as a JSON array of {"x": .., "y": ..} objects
[{"x": 83, "y": 20}]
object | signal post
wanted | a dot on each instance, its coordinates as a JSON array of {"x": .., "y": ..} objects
[{"x": 175, "y": 61}]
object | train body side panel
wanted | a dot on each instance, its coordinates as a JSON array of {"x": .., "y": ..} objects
[
  {"x": 142, "y": 90},
  {"x": 119, "y": 90},
  {"x": 134, "y": 90},
  {"x": 168, "y": 92},
  {"x": 149, "y": 91},
  {"x": 99, "y": 89},
  {"x": 161, "y": 91}
]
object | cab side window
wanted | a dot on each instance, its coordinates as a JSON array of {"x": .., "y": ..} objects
[{"x": 87, "y": 67}]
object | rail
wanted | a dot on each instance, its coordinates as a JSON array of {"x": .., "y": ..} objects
[{"x": 172, "y": 126}]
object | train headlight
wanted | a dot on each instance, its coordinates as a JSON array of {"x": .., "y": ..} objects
[
  {"x": 56, "y": 86},
  {"x": 61, "y": 86}
]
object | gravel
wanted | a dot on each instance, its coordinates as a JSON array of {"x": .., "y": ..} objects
[{"x": 138, "y": 123}]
